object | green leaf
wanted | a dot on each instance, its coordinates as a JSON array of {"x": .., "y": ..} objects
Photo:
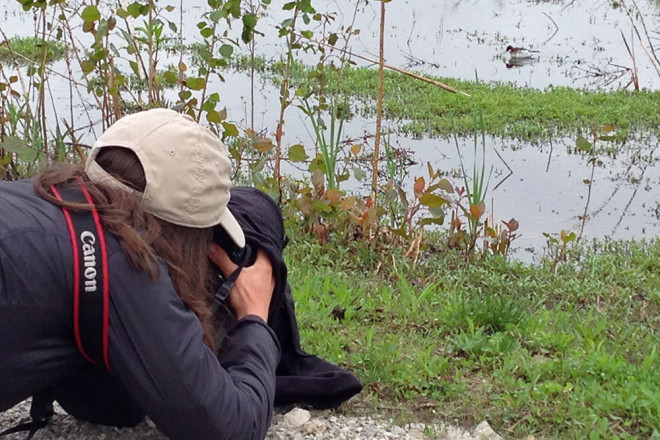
[
  {"x": 321, "y": 206},
  {"x": 28, "y": 155},
  {"x": 226, "y": 50},
  {"x": 432, "y": 221},
  {"x": 297, "y": 153},
  {"x": 136, "y": 68},
  {"x": 213, "y": 117},
  {"x": 216, "y": 16},
  {"x": 332, "y": 39},
  {"x": 249, "y": 23},
  {"x": 88, "y": 26},
  {"x": 230, "y": 130},
  {"x": 195, "y": 83},
  {"x": 135, "y": 9},
  {"x": 250, "y": 20},
  {"x": 170, "y": 77},
  {"x": 235, "y": 7},
  {"x": 13, "y": 144},
  {"x": 444, "y": 185},
  {"x": 582, "y": 144},
  {"x": 432, "y": 200},
  {"x": 87, "y": 66},
  {"x": 359, "y": 174},
  {"x": 90, "y": 13}
]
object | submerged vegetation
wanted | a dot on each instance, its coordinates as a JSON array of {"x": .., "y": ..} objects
[{"x": 413, "y": 289}]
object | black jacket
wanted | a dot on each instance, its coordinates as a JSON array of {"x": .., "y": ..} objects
[
  {"x": 301, "y": 377},
  {"x": 156, "y": 343}
]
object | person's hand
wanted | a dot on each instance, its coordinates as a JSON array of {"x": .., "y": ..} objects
[{"x": 254, "y": 287}]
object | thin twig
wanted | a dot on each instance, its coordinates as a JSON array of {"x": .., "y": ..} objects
[
  {"x": 400, "y": 70},
  {"x": 554, "y": 33},
  {"x": 506, "y": 165}
]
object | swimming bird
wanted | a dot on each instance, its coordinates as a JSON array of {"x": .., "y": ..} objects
[{"x": 521, "y": 52}]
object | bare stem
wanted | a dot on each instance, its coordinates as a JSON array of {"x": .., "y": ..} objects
[{"x": 379, "y": 104}]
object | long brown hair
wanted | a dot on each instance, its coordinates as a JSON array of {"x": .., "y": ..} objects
[{"x": 143, "y": 236}]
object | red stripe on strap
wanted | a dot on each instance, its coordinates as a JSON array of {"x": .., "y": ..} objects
[
  {"x": 76, "y": 276},
  {"x": 106, "y": 283}
]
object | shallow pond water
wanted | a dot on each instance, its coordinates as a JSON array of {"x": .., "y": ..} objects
[{"x": 580, "y": 44}]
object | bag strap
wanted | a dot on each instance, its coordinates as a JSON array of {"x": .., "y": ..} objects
[
  {"x": 91, "y": 292},
  {"x": 41, "y": 411}
]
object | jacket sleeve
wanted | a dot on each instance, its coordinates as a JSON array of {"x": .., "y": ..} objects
[{"x": 157, "y": 350}]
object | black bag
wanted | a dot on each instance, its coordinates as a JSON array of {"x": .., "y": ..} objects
[{"x": 301, "y": 377}]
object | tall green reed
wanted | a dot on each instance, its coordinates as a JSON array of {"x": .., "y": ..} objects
[{"x": 476, "y": 184}]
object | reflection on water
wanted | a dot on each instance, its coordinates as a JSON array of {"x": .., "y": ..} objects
[
  {"x": 579, "y": 44},
  {"x": 545, "y": 187}
]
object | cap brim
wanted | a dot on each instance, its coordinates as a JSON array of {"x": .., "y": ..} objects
[{"x": 233, "y": 229}]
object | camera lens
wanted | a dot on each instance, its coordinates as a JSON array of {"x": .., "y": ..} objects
[{"x": 241, "y": 256}]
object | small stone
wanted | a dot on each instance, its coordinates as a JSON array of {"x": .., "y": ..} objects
[
  {"x": 483, "y": 431},
  {"x": 297, "y": 417},
  {"x": 314, "y": 427},
  {"x": 369, "y": 431},
  {"x": 417, "y": 435}
]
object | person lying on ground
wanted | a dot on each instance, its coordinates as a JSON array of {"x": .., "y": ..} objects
[{"x": 154, "y": 186}]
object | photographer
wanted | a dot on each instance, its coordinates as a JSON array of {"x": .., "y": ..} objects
[{"x": 154, "y": 186}]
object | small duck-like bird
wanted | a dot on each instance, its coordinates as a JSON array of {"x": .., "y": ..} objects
[{"x": 521, "y": 53}]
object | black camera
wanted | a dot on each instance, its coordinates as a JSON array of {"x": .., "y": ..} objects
[{"x": 241, "y": 256}]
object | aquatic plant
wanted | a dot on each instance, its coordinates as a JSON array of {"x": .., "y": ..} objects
[{"x": 31, "y": 51}]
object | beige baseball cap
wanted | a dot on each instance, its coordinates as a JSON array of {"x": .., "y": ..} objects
[{"x": 187, "y": 169}]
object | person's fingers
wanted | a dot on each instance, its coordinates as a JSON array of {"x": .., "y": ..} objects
[
  {"x": 253, "y": 290},
  {"x": 219, "y": 257},
  {"x": 262, "y": 261}
]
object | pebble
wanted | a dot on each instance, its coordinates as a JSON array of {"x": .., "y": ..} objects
[{"x": 296, "y": 424}]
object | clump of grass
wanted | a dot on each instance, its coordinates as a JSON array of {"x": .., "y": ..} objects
[{"x": 28, "y": 51}]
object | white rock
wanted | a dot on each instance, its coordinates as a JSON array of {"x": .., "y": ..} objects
[
  {"x": 297, "y": 417},
  {"x": 483, "y": 431}
]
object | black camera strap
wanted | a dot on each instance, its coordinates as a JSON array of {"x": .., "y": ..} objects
[
  {"x": 227, "y": 284},
  {"x": 91, "y": 291}
]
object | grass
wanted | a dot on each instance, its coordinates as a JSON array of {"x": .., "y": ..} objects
[
  {"x": 509, "y": 111},
  {"x": 25, "y": 51},
  {"x": 571, "y": 353}
]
